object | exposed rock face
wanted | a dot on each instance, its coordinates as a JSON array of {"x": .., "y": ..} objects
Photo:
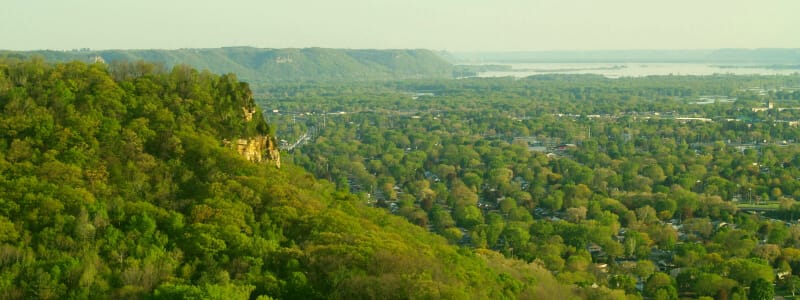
[
  {"x": 248, "y": 113},
  {"x": 259, "y": 148},
  {"x": 272, "y": 152}
]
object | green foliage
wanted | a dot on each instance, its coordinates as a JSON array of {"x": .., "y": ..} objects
[
  {"x": 747, "y": 271},
  {"x": 215, "y": 291},
  {"x": 121, "y": 181},
  {"x": 548, "y": 168},
  {"x": 761, "y": 290},
  {"x": 660, "y": 286}
]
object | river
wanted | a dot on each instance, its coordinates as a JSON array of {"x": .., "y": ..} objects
[{"x": 616, "y": 70}]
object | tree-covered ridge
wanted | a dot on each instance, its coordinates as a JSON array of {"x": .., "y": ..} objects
[
  {"x": 115, "y": 182},
  {"x": 269, "y": 65}
]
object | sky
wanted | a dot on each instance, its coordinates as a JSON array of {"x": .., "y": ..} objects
[{"x": 452, "y": 25}]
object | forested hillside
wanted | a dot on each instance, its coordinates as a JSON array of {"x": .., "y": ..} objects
[
  {"x": 120, "y": 182},
  {"x": 257, "y": 64}
]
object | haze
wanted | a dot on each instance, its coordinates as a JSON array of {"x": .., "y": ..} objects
[{"x": 463, "y": 25}]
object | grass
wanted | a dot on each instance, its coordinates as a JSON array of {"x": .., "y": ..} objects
[{"x": 761, "y": 206}]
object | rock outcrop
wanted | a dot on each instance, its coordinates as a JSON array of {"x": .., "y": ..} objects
[
  {"x": 258, "y": 149},
  {"x": 272, "y": 153}
]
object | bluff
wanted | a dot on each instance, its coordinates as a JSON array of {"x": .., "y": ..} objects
[
  {"x": 258, "y": 148},
  {"x": 271, "y": 65}
]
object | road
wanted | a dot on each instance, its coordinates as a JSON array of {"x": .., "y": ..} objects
[{"x": 300, "y": 141}]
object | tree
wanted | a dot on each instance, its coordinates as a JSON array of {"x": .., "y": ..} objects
[
  {"x": 761, "y": 289},
  {"x": 507, "y": 204},
  {"x": 463, "y": 195},
  {"x": 654, "y": 172},
  {"x": 699, "y": 226},
  {"x": 500, "y": 178},
  {"x": 768, "y": 252},
  {"x": 660, "y": 285},
  {"x": 776, "y": 193},
  {"x": 791, "y": 283},
  {"x": 576, "y": 214},
  {"x": 554, "y": 201},
  {"x": 468, "y": 216},
  {"x": 788, "y": 204},
  {"x": 623, "y": 282},
  {"x": 747, "y": 271},
  {"x": 645, "y": 268},
  {"x": 646, "y": 214},
  {"x": 708, "y": 284},
  {"x": 576, "y": 195},
  {"x": 666, "y": 293},
  {"x": 637, "y": 244},
  {"x": 516, "y": 235}
]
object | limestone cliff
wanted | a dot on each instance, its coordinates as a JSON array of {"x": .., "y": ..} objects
[
  {"x": 272, "y": 152},
  {"x": 259, "y": 148}
]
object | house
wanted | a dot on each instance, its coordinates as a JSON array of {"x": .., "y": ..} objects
[
  {"x": 603, "y": 267},
  {"x": 594, "y": 248},
  {"x": 96, "y": 59},
  {"x": 782, "y": 274},
  {"x": 596, "y": 251},
  {"x": 564, "y": 147},
  {"x": 665, "y": 266},
  {"x": 541, "y": 149}
]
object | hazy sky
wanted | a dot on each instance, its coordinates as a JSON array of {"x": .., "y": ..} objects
[{"x": 455, "y": 25}]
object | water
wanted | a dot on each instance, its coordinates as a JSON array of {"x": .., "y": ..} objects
[{"x": 616, "y": 70}]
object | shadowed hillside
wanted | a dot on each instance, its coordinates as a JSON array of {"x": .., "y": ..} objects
[{"x": 256, "y": 64}]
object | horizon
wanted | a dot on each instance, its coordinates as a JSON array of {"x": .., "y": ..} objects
[
  {"x": 87, "y": 49},
  {"x": 447, "y": 25}
]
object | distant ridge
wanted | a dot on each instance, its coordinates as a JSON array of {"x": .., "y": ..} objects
[
  {"x": 260, "y": 64},
  {"x": 738, "y": 56}
]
